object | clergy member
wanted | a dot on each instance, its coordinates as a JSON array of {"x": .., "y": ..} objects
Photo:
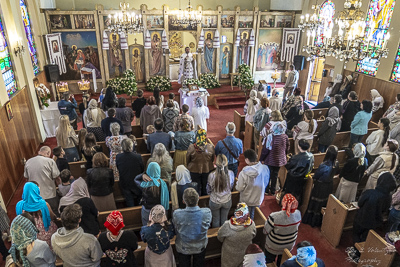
[{"x": 187, "y": 66}]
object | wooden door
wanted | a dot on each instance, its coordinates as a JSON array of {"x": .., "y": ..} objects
[{"x": 316, "y": 78}]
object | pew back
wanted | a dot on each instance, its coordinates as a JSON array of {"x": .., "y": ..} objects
[
  {"x": 373, "y": 252},
  {"x": 239, "y": 122},
  {"x": 319, "y": 112}
]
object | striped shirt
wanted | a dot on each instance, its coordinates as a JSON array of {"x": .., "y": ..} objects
[{"x": 281, "y": 231}]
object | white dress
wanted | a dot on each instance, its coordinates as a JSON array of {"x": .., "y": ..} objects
[{"x": 200, "y": 115}]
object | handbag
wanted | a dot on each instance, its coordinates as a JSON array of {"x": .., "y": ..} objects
[{"x": 230, "y": 151}]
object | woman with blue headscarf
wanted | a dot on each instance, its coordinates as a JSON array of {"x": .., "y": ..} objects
[
  {"x": 154, "y": 190},
  {"x": 306, "y": 257},
  {"x": 34, "y": 204}
]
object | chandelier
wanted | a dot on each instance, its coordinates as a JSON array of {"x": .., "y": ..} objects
[
  {"x": 189, "y": 16},
  {"x": 124, "y": 21}
]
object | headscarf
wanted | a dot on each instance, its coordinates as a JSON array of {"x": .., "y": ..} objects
[
  {"x": 326, "y": 99},
  {"x": 251, "y": 108},
  {"x": 333, "y": 117},
  {"x": 92, "y": 105},
  {"x": 298, "y": 103},
  {"x": 306, "y": 256},
  {"x": 77, "y": 191},
  {"x": 201, "y": 139},
  {"x": 182, "y": 175},
  {"x": 23, "y": 233},
  {"x": 157, "y": 215},
  {"x": 277, "y": 129},
  {"x": 274, "y": 92},
  {"x": 375, "y": 94},
  {"x": 254, "y": 257},
  {"x": 154, "y": 172},
  {"x": 386, "y": 183},
  {"x": 241, "y": 215},
  {"x": 32, "y": 201},
  {"x": 199, "y": 102},
  {"x": 114, "y": 222},
  {"x": 290, "y": 204},
  {"x": 359, "y": 152}
]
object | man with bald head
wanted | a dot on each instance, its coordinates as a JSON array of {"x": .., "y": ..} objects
[{"x": 43, "y": 170}]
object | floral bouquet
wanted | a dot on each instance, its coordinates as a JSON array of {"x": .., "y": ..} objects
[
  {"x": 209, "y": 81},
  {"x": 192, "y": 81},
  {"x": 44, "y": 94},
  {"x": 163, "y": 83},
  {"x": 245, "y": 77},
  {"x": 125, "y": 85}
]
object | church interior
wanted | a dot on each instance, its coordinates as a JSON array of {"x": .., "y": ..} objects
[{"x": 82, "y": 47}]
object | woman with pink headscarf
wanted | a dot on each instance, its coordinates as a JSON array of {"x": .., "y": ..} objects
[{"x": 281, "y": 229}]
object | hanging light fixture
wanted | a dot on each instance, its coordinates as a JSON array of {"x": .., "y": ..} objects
[
  {"x": 189, "y": 16},
  {"x": 124, "y": 21}
]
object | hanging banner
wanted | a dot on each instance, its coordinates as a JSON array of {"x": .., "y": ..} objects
[
  {"x": 290, "y": 44},
  {"x": 55, "y": 51}
]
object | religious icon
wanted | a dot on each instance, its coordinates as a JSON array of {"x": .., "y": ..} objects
[
  {"x": 290, "y": 39},
  {"x": 267, "y": 21},
  {"x": 60, "y": 22},
  {"x": 209, "y": 52},
  {"x": 55, "y": 46},
  {"x": 137, "y": 64},
  {"x": 155, "y": 21},
  {"x": 243, "y": 53},
  {"x": 209, "y": 21},
  {"x": 227, "y": 21},
  {"x": 283, "y": 21},
  {"x": 9, "y": 111},
  {"x": 245, "y": 21},
  {"x": 84, "y": 21},
  {"x": 269, "y": 49},
  {"x": 156, "y": 53},
  {"x": 225, "y": 60},
  {"x": 116, "y": 66}
]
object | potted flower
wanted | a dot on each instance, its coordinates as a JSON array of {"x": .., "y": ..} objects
[
  {"x": 209, "y": 81},
  {"x": 44, "y": 95},
  {"x": 163, "y": 83},
  {"x": 125, "y": 85}
]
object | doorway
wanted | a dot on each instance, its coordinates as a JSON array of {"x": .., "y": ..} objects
[{"x": 314, "y": 79}]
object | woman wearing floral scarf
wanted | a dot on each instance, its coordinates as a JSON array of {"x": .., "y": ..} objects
[
  {"x": 236, "y": 235},
  {"x": 306, "y": 257},
  {"x": 200, "y": 158},
  {"x": 154, "y": 190},
  {"x": 157, "y": 234},
  {"x": 281, "y": 229}
]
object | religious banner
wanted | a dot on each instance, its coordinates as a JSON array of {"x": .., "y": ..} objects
[
  {"x": 290, "y": 44},
  {"x": 55, "y": 51}
]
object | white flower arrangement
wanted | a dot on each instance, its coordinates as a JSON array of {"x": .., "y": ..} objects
[
  {"x": 125, "y": 85},
  {"x": 246, "y": 79},
  {"x": 44, "y": 94},
  {"x": 209, "y": 81},
  {"x": 192, "y": 81},
  {"x": 163, "y": 83}
]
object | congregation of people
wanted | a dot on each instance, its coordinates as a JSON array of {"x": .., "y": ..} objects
[{"x": 58, "y": 213}]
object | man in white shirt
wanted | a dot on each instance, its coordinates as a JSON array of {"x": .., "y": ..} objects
[
  {"x": 291, "y": 81},
  {"x": 43, "y": 170}
]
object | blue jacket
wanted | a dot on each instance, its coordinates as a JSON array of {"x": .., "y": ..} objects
[
  {"x": 159, "y": 137},
  {"x": 234, "y": 144},
  {"x": 156, "y": 237},
  {"x": 359, "y": 126},
  {"x": 68, "y": 108},
  {"x": 191, "y": 225}
]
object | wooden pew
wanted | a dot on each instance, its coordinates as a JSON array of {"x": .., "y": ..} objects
[
  {"x": 78, "y": 169},
  {"x": 105, "y": 148},
  {"x": 286, "y": 255},
  {"x": 248, "y": 140},
  {"x": 137, "y": 131},
  {"x": 337, "y": 218},
  {"x": 239, "y": 121},
  {"x": 319, "y": 112},
  {"x": 377, "y": 115},
  {"x": 141, "y": 146},
  {"x": 373, "y": 251}
]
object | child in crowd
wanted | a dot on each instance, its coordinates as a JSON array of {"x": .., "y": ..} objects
[
  {"x": 66, "y": 180},
  {"x": 138, "y": 104},
  {"x": 62, "y": 163},
  {"x": 81, "y": 137},
  {"x": 150, "y": 129},
  {"x": 176, "y": 104},
  {"x": 252, "y": 181}
]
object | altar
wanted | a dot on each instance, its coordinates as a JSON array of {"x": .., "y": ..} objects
[
  {"x": 50, "y": 117},
  {"x": 188, "y": 97}
]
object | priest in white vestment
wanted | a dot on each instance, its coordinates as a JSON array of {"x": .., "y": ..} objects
[{"x": 187, "y": 67}]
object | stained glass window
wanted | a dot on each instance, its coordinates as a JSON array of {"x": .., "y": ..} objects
[
  {"x": 395, "y": 77},
  {"x": 6, "y": 64},
  {"x": 377, "y": 24},
  {"x": 29, "y": 36},
  {"x": 326, "y": 13}
]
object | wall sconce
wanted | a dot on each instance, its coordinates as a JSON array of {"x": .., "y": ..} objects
[{"x": 19, "y": 50}]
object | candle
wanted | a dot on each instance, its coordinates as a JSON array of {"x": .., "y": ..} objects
[{"x": 308, "y": 38}]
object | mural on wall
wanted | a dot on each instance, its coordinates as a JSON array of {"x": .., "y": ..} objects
[
  {"x": 283, "y": 21},
  {"x": 243, "y": 48},
  {"x": 377, "y": 24},
  {"x": 115, "y": 56},
  {"x": 245, "y": 21},
  {"x": 80, "y": 49},
  {"x": 173, "y": 25},
  {"x": 136, "y": 55},
  {"x": 227, "y": 21},
  {"x": 60, "y": 22},
  {"x": 269, "y": 42},
  {"x": 225, "y": 60},
  {"x": 209, "y": 21},
  {"x": 208, "y": 64},
  {"x": 157, "y": 60},
  {"x": 155, "y": 21},
  {"x": 267, "y": 21},
  {"x": 84, "y": 21}
]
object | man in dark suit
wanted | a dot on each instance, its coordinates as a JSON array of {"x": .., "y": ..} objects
[{"x": 159, "y": 137}]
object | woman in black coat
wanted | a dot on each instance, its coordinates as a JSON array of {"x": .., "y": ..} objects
[
  {"x": 295, "y": 113},
  {"x": 328, "y": 129},
  {"x": 350, "y": 109}
]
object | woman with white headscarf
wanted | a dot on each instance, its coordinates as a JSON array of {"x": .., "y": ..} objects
[
  {"x": 377, "y": 100},
  {"x": 328, "y": 130},
  {"x": 351, "y": 174},
  {"x": 92, "y": 118},
  {"x": 200, "y": 114},
  {"x": 183, "y": 181},
  {"x": 252, "y": 105}
]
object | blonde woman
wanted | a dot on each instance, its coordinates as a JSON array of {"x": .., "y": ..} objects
[
  {"x": 162, "y": 157},
  {"x": 67, "y": 139},
  {"x": 92, "y": 118},
  {"x": 219, "y": 187}
]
